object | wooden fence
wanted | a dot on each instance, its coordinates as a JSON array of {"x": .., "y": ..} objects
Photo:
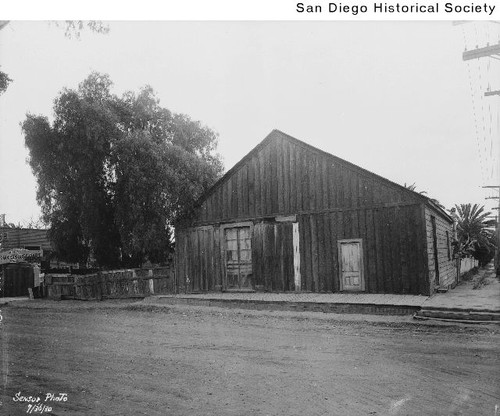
[
  {"x": 114, "y": 284},
  {"x": 466, "y": 264}
]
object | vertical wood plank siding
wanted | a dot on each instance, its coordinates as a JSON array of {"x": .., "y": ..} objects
[
  {"x": 331, "y": 200},
  {"x": 391, "y": 246},
  {"x": 285, "y": 178},
  {"x": 447, "y": 266},
  {"x": 390, "y": 255}
]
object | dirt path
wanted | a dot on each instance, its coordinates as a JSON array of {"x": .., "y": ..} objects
[{"x": 202, "y": 361}]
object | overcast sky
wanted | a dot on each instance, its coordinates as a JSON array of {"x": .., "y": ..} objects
[{"x": 395, "y": 98}]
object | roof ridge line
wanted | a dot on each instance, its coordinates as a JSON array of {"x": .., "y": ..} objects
[{"x": 301, "y": 143}]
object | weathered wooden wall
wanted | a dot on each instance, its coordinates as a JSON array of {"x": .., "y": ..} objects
[
  {"x": 200, "y": 254},
  {"x": 285, "y": 176},
  {"x": 272, "y": 245},
  {"x": 198, "y": 259},
  {"x": 24, "y": 237},
  {"x": 394, "y": 252},
  {"x": 446, "y": 263},
  {"x": 393, "y": 249},
  {"x": 331, "y": 200}
]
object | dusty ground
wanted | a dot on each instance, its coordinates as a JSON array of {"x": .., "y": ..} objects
[{"x": 115, "y": 359}]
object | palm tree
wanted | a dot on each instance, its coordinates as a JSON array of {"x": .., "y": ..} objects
[
  {"x": 475, "y": 231},
  {"x": 413, "y": 187}
]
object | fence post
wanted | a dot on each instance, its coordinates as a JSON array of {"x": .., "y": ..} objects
[{"x": 151, "y": 282}]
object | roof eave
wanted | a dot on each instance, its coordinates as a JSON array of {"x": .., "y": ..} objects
[{"x": 275, "y": 133}]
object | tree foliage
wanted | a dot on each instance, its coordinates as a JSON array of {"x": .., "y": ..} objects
[
  {"x": 4, "y": 82},
  {"x": 413, "y": 187},
  {"x": 33, "y": 224},
  {"x": 475, "y": 231},
  {"x": 114, "y": 173},
  {"x": 72, "y": 29}
]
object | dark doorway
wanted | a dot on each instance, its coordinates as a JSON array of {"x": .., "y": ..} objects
[{"x": 17, "y": 278}]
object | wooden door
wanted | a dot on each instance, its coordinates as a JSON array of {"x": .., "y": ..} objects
[
  {"x": 351, "y": 265},
  {"x": 238, "y": 258}
]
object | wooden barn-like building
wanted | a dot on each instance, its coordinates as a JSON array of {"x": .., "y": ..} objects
[{"x": 290, "y": 217}]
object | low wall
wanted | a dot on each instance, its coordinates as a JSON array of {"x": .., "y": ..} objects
[
  {"x": 114, "y": 284},
  {"x": 467, "y": 264}
]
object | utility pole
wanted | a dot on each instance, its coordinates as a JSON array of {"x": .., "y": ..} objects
[
  {"x": 497, "y": 217},
  {"x": 492, "y": 52},
  {"x": 486, "y": 52}
]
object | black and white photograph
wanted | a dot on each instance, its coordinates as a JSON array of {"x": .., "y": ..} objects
[{"x": 251, "y": 217}]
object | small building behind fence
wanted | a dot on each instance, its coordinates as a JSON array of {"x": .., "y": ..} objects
[{"x": 23, "y": 252}]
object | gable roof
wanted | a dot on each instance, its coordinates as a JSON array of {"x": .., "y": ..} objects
[{"x": 275, "y": 134}]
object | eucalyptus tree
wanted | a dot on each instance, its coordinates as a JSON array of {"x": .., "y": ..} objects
[{"x": 114, "y": 173}]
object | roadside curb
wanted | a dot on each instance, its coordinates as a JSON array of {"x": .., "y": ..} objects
[
  {"x": 459, "y": 315},
  {"x": 378, "y": 311},
  {"x": 152, "y": 305},
  {"x": 324, "y": 307},
  {"x": 451, "y": 320},
  {"x": 470, "y": 316},
  {"x": 394, "y": 321}
]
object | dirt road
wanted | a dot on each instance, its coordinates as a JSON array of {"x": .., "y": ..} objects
[{"x": 112, "y": 359}]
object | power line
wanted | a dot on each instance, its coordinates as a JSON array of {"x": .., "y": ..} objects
[{"x": 490, "y": 52}]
